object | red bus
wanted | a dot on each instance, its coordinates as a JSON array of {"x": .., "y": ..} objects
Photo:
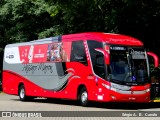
[{"x": 90, "y": 66}]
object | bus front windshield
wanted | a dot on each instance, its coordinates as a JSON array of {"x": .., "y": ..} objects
[{"x": 128, "y": 65}]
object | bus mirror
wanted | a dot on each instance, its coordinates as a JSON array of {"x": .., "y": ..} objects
[
  {"x": 155, "y": 57},
  {"x": 105, "y": 53}
]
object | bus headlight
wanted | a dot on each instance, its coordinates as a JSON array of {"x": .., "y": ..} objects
[
  {"x": 113, "y": 89},
  {"x": 106, "y": 86},
  {"x": 147, "y": 90}
]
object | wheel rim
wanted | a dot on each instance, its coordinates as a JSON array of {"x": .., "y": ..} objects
[
  {"x": 22, "y": 93},
  {"x": 84, "y": 97}
]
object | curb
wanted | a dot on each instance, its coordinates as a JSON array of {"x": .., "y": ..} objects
[{"x": 154, "y": 100}]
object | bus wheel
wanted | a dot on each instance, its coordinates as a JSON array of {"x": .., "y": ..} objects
[
  {"x": 22, "y": 93},
  {"x": 83, "y": 97}
]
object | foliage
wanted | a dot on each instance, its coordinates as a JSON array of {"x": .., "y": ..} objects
[{"x": 25, "y": 20}]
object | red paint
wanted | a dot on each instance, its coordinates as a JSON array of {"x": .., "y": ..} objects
[{"x": 23, "y": 52}]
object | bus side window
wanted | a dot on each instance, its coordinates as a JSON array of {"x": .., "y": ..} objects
[{"x": 78, "y": 53}]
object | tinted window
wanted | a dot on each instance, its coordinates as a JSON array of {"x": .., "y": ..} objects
[{"x": 78, "y": 52}]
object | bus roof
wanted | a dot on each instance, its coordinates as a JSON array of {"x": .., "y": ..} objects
[
  {"x": 109, "y": 38},
  {"x": 39, "y": 41}
]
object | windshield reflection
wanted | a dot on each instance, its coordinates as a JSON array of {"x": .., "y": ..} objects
[{"x": 128, "y": 65}]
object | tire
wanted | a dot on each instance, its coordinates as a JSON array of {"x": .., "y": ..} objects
[
  {"x": 83, "y": 97},
  {"x": 22, "y": 93}
]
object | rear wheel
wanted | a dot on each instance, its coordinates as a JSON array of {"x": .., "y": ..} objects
[
  {"x": 83, "y": 97},
  {"x": 22, "y": 94}
]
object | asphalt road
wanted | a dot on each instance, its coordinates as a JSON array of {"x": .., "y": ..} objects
[{"x": 66, "y": 109}]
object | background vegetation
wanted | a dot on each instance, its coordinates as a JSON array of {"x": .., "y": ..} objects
[{"x": 25, "y": 20}]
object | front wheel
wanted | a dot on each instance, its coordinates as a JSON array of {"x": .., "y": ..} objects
[{"x": 83, "y": 97}]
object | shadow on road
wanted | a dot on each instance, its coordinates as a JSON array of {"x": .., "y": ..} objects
[{"x": 112, "y": 105}]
